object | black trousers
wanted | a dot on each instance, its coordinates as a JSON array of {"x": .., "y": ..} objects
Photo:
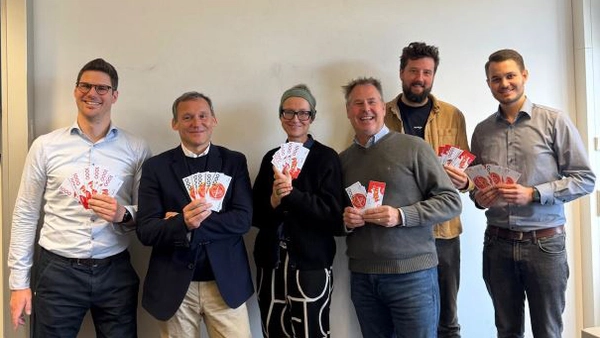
[
  {"x": 65, "y": 289},
  {"x": 448, "y": 251}
]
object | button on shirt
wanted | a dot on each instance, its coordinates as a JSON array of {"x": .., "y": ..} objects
[
  {"x": 545, "y": 147},
  {"x": 68, "y": 229}
]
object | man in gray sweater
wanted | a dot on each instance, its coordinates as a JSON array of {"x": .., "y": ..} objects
[{"x": 391, "y": 249}]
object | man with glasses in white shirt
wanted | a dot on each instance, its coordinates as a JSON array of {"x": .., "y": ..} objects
[{"x": 84, "y": 263}]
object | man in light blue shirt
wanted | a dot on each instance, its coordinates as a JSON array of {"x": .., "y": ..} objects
[
  {"x": 524, "y": 251},
  {"x": 84, "y": 263}
]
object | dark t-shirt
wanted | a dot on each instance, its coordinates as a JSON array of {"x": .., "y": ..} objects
[{"x": 415, "y": 118}]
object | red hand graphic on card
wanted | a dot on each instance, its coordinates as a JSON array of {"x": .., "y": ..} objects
[
  {"x": 359, "y": 201},
  {"x": 217, "y": 191}
]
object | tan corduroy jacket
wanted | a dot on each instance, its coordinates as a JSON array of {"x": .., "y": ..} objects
[{"x": 445, "y": 125}]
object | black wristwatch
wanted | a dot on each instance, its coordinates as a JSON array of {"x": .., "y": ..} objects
[
  {"x": 126, "y": 217},
  {"x": 536, "y": 195}
]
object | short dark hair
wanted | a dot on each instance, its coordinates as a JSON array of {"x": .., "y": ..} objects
[
  {"x": 504, "y": 55},
  {"x": 100, "y": 65},
  {"x": 190, "y": 96},
  {"x": 360, "y": 82},
  {"x": 419, "y": 50}
]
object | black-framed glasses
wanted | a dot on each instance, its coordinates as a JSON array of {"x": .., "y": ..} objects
[
  {"x": 85, "y": 88},
  {"x": 303, "y": 115}
]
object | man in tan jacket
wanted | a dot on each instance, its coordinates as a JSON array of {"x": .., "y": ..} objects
[{"x": 416, "y": 112}]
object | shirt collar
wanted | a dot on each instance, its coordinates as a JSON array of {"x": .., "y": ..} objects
[
  {"x": 113, "y": 131},
  {"x": 189, "y": 153},
  {"x": 375, "y": 138},
  {"x": 526, "y": 109},
  {"x": 309, "y": 141}
]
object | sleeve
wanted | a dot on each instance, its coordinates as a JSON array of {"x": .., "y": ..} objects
[
  {"x": 573, "y": 165},
  {"x": 475, "y": 150},
  {"x": 143, "y": 154},
  {"x": 463, "y": 143},
  {"x": 441, "y": 200},
  {"x": 152, "y": 228},
  {"x": 264, "y": 217},
  {"x": 26, "y": 217},
  {"x": 324, "y": 204},
  {"x": 236, "y": 217}
]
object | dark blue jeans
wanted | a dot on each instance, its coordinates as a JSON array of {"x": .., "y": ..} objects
[
  {"x": 65, "y": 291},
  {"x": 448, "y": 251},
  {"x": 396, "y": 305},
  {"x": 536, "y": 269}
]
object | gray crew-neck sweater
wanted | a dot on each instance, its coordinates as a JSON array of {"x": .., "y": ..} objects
[{"x": 415, "y": 182}]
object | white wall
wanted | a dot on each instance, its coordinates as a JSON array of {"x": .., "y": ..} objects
[{"x": 245, "y": 53}]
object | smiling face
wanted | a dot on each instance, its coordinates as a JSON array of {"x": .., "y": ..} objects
[
  {"x": 92, "y": 106},
  {"x": 417, "y": 80},
  {"x": 296, "y": 130},
  {"x": 195, "y": 123},
  {"x": 365, "y": 110},
  {"x": 507, "y": 83}
]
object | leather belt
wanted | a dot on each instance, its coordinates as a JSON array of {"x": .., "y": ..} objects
[
  {"x": 88, "y": 262},
  {"x": 523, "y": 236}
]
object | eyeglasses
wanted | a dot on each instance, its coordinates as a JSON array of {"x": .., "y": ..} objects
[
  {"x": 85, "y": 88},
  {"x": 303, "y": 115}
]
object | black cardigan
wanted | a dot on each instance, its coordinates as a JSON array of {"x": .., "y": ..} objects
[{"x": 310, "y": 215}]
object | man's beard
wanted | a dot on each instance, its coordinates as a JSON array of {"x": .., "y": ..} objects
[{"x": 416, "y": 98}]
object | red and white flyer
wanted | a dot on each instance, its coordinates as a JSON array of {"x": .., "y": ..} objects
[
  {"x": 290, "y": 156},
  {"x": 209, "y": 185},
  {"x": 454, "y": 156},
  {"x": 479, "y": 175},
  {"x": 358, "y": 195},
  {"x": 90, "y": 180},
  {"x": 495, "y": 173},
  {"x": 375, "y": 194}
]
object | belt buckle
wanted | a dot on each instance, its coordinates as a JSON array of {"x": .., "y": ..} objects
[
  {"x": 520, "y": 236},
  {"x": 89, "y": 262}
]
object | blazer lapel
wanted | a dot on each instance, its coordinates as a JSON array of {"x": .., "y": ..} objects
[
  {"x": 215, "y": 162},
  {"x": 180, "y": 169}
]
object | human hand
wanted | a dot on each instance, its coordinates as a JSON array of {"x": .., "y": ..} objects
[
  {"x": 353, "y": 218},
  {"x": 459, "y": 179},
  {"x": 20, "y": 305},
  {"x": 282, "y": 186},
  {"x": 384, "y": 215},
  {"x": 486, "y": 197},
  {"x": 515, "y": 193},
  {"x": 196, "y": 212},
  {"x": 170, "y": 214},
  {"x": 106, "y": 207}
]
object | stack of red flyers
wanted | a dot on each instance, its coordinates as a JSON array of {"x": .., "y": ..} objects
[
  {"x": 84, "y": 183},
  {"x": 487, "y": 175},
  {"x": 209, "y": 185},
  {"x": 454, "y": 156},
  {"x": 290, "y": 156},
  {"x": 362, "y": 198}
]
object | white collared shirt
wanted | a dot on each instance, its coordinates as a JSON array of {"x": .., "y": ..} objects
[{"x": 189, "y": 153}]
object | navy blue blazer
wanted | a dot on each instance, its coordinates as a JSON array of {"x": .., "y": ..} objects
[{"x": 172, "y": 261}]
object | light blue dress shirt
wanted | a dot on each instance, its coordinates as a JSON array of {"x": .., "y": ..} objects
[
  {"x": 68, "y": 229},
  {"x": 545, "y": 147}
]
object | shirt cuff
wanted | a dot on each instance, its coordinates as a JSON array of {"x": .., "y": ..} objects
[
  {"x": 402, "y": 218},
  {"x": 19, "y": 280},
  {"x": 470, "y": 187},
  {"x": 124, "y": 228}
]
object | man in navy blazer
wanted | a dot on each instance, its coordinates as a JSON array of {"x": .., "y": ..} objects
[{"x": 198, "y": 269}]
